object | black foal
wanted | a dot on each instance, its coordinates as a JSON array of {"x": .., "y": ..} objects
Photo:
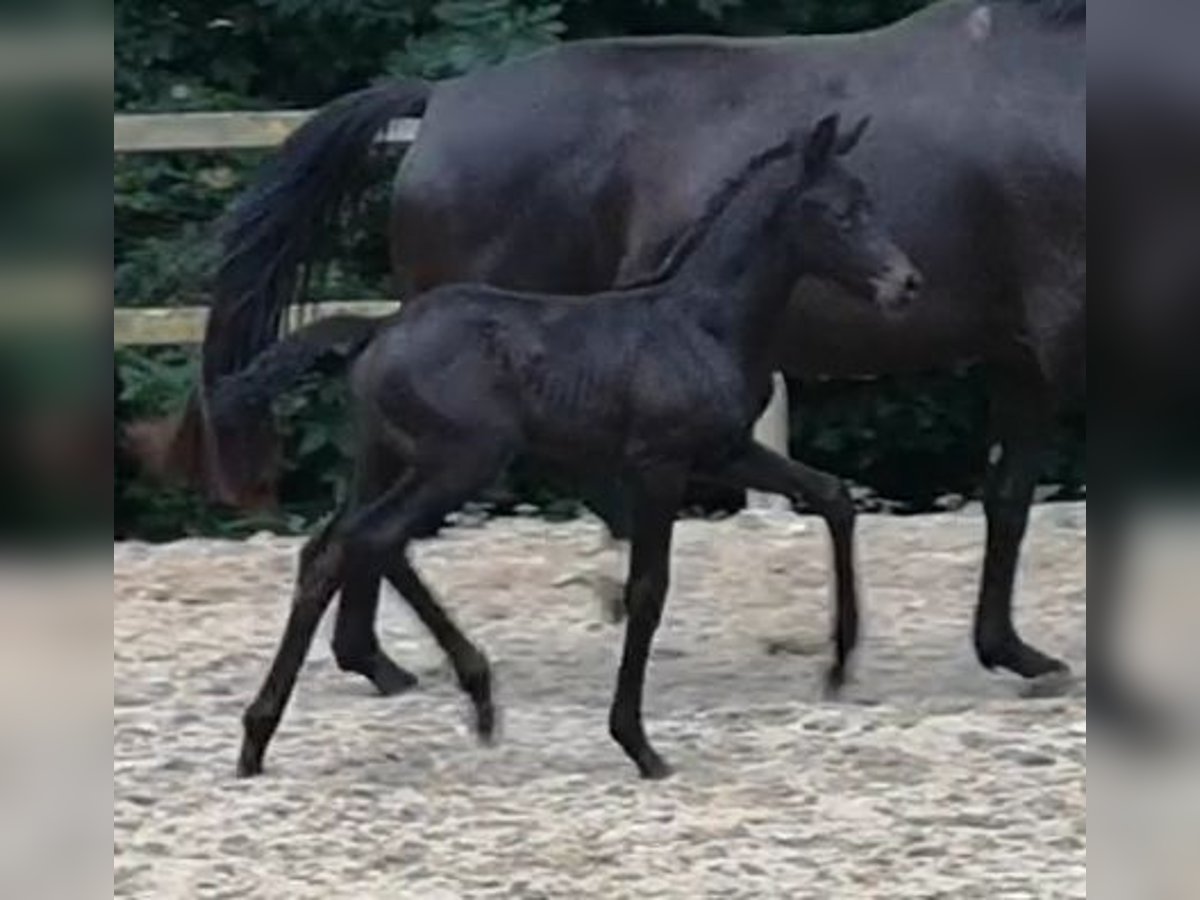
[{"x": 658, "y": 382}]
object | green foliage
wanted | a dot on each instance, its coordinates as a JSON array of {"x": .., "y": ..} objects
[
  {"x": 911, "y": 439},
  {"x": 468, "y": 34}
]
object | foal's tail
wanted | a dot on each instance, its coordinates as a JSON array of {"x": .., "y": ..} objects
[
  {"x": 267, "y": 239},
  {"x": 240, "y": 401}
]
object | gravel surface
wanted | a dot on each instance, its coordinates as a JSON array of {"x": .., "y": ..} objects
[{"x": 929, "y": 778}]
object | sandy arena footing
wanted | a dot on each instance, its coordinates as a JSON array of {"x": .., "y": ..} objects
[{"x": 929, "y": 778}]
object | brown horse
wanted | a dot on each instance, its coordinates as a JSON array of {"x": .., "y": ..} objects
[{"x": 575, "y": 169}]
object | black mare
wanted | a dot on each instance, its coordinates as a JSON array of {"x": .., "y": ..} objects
[
  {"x": 657, "y": 384},
  {"x": 573, "y": 171}
]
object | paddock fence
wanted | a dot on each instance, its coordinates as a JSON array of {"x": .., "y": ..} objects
[{"x": 141, "y": 133}]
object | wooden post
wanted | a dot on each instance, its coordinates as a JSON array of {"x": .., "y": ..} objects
[{"x": 772, "y": 430}]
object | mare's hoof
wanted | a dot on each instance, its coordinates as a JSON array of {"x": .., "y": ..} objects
[
  {"x": 794, "y": 646},
  {"x": 611, "y": 595},
  {"x": 1014, "y": 654},
  {"x": 835, "y": 680},
  {"x": 1055, "y": 683}
]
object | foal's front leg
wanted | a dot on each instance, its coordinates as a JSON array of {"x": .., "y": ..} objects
[
  {"x": 761, "y": 469},
  {"x": 657, "y": 498}
]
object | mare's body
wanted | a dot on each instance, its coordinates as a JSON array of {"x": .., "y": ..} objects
[{"x": 575, "y": 169}]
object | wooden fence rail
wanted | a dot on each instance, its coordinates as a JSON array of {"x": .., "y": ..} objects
[
  {"x": 213, "y": 131},
  {"x": 162, "y": 132},
  {"x": 156, "y": 326}
]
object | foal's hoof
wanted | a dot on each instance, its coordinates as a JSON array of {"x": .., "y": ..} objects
[
  {"x": 653, "y": 767},
  {"x": 249, "y": 763},
  {"x": 387, "y": 678},
  {"x": 390, "y": 679},
  {"x": 486, "y": 724},
  {"x": 478, "y": 685}
]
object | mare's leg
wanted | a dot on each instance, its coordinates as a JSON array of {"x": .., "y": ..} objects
[
  {"x": 1021, "y": 420},
  {"x": 761, "y": 469},
  {"x": 656, "y": 501},
  {"x": 608, "y": 499},
  {"x": 321, "y": 566},
  {"x": 355, "y": 641}
]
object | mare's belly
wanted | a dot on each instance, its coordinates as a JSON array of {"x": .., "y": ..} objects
[{"x": 830, "y": 333}]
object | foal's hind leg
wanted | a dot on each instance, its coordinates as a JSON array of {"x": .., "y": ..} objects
[
  {"x": 380, "y": 533},
  {"x": 469, "y": 662},
  {"x": 355, "y": 641},
  {"x": 321, "y": 563},
  {"x": 761, "y": 469}
]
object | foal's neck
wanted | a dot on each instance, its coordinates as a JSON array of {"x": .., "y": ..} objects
[{"x": 737, "y": 279}]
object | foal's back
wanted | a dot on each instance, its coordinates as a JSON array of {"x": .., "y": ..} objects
[{"x": 544, "y": 372}]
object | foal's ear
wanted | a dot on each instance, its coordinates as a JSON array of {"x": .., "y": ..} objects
[
  {"x": 849, "y": 141},
  {"x": 821, "y": 145}
]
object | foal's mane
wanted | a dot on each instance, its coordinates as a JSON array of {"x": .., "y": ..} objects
[{"x": 694, "y": 233}]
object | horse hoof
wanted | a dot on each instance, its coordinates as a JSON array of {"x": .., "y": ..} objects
[
  {"x": 835, "y": 680},
  {"x": 1016, "y": 656},
  {"x": 1055, "y": 683},
  {"x": 390, "y": 679},
  {"x": 486, "y": 730},
  {"x": 794, "y": 646},
  {"x": 249, "y": 765},
  {"x": 653, "y": 767},
  {"x": 611, "y": 595}
]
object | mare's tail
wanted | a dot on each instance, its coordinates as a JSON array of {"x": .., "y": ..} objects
[{"x": 268, "y": 238}]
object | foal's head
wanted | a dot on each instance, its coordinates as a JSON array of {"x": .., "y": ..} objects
[{"x": 835, "y": 225}]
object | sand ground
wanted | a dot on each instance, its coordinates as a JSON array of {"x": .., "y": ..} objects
[{"x": 929, "y": 778}]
